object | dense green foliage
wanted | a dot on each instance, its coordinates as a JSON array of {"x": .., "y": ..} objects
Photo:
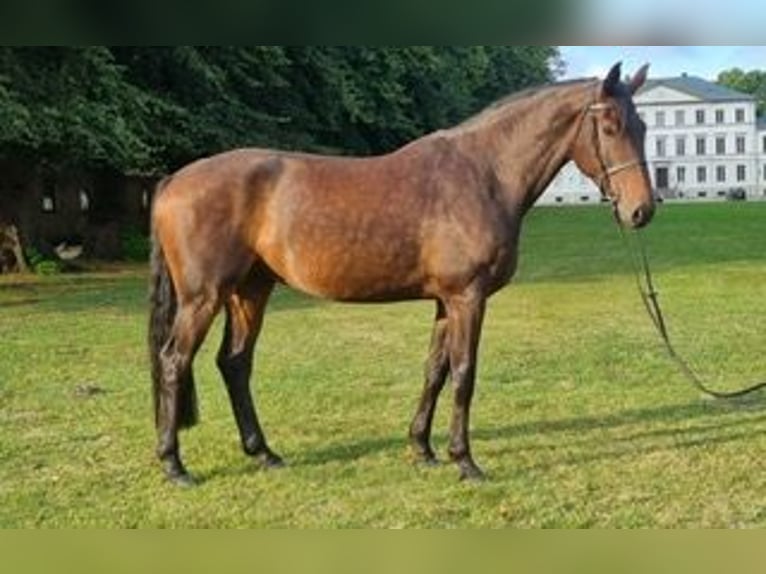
[
  {"x": 579, "y": 417},
  {"x": 752, "y": 82},
  {"x": 152, "y": 109}
]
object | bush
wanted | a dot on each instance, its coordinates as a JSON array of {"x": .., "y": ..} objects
[
  {"x": 41, "y": 264},
  {"x": 135, "y": 245},
  {"x": 48, "y": 267}
]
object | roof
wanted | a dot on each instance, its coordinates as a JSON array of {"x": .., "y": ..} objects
[{"x": 698, "y": 88}]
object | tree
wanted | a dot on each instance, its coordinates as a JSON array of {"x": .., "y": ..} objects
[
  {"x": 11, "y": 253},
  {"x": 150, "y": 110},
  {"x": 752, "y": 82},
  {"x": 70, "y": 106}
]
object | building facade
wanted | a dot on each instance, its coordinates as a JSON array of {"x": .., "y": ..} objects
[{"x": 703, "y": 142}]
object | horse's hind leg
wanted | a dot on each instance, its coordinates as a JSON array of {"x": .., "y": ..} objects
[
  {"x": 244, "y": 318},
  {"x": 436, "y": 370},
  {"x": 192, "y": 322}
]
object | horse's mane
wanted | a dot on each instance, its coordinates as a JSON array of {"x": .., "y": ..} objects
[{"x": 522, "y": 96}]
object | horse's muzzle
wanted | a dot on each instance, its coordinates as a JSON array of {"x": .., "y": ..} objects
[{"x": 634, "y": 218}]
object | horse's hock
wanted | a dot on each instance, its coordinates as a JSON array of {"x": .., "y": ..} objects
[{"x": 11, "y": 253}]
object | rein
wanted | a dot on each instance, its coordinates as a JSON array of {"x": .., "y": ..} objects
[
  {"x": 642, "y": 271},
  {"x": 650, "y": 298}
]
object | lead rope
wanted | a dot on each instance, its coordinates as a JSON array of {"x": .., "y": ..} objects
[{"x": 650, "y": 298}]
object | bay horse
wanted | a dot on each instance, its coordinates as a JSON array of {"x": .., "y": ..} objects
[{"x": 437, "y": 219}]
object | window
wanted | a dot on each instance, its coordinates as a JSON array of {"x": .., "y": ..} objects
[
  {"x": 84, "y": 200},
  {"x": 764, "y": 145},
  {"x": 660, "y": 146},
  {"x": 48, "y": 204},
  {"x": 721, "y": 193},
  {"x": 680, "y": 146},
  {"x": 661, "y": 177},
  {"x": 739, "y": 115},
  {"x": 702, "y": 194},
  {"x": 584, "y": 198},
  {"x": 741, "y": 172},
  {"x": 146, "y": 199},
  {"x": 659, "y": 119},
  {"x": 680, "y": 117},
  {"x": 740, "y": 144},
  {"x": 699, "y": 116},
  {"x": 559, "y": 199},
  {"x": 720, "y": 145},
  {"x": 48, "y": 200},
  {"x": 680, "y": 174},
  {"x": 719, "y": 116},
  {"x": 701, "y": 174},
  {"x": 764, "y": 171},
  {"x": 720, "y": 173},
  {"x": 701, "y": 145}
]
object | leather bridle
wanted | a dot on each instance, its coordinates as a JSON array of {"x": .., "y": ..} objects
[{"x": 604, "y": 177}]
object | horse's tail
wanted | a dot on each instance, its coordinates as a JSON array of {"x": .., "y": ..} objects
[{"x": 163, "y": 304}]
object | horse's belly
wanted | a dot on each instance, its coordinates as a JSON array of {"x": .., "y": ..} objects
[{"x": 363, "y": 270}]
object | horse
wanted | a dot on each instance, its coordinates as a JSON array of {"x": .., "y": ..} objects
[{"x": 437, "y": 219}]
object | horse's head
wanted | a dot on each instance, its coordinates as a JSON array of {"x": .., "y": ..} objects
[{"x": 609, "y": 148}]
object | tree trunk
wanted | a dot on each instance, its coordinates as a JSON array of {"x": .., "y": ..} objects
[{"x": 11, "y": 254}]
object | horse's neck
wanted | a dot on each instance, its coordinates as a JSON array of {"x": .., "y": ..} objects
[{"x": 529, "y": 144}]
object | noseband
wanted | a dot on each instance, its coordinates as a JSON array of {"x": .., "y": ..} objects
[{"x": 604, "y": 178}]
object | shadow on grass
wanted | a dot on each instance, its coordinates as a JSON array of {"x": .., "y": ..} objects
[
  {"x": 21, "y": 302},
  {"x": 641, "y": 443},
  {"x": 78, "y": 293},
  {"x": 64, "y": 281},
  {"x": 594, "y": 448}
]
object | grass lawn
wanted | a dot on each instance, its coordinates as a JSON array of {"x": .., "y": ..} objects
[{"x": 579, "y": 418}]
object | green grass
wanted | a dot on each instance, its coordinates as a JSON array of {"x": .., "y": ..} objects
[{"x": 579, "y": 418}]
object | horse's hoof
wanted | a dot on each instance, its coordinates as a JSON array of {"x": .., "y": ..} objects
[
  {"x": 471, "y": 472},
  {"x": 183, "y": 480},
  {"x": 426, "y": 459},
  {"x": 422, "y": 453},
  {"x": 270, "y": 460}
]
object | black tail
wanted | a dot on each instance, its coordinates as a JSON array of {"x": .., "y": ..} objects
[{"x": 163, "y": 303}]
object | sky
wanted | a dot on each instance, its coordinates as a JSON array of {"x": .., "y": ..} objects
[
  {"x": 703, "y": 61},
  {"x": 676, "y": 21}
]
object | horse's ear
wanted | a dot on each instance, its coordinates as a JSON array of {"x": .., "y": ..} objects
[
  {"x": 612, "y": 80},
  {"x": 638, "y": 80}
]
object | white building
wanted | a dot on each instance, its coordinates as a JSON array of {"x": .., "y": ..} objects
[{"x": 703, "y": 142}]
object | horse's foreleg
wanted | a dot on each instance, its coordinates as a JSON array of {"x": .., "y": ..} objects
[
  {"x": 464, "y": 319},
  {"x": 192, "y": 321},
  {"x": 436, "y": 371},
  {"x": 244, "y": 318}
]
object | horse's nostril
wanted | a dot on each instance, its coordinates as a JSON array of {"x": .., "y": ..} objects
[{"x": 639, "y": 215}]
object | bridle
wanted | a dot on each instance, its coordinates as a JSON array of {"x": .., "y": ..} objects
[{"x": 604, "y": 177}]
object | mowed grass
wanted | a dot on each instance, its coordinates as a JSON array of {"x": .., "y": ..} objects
[{"x": 579, "y": 418}]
